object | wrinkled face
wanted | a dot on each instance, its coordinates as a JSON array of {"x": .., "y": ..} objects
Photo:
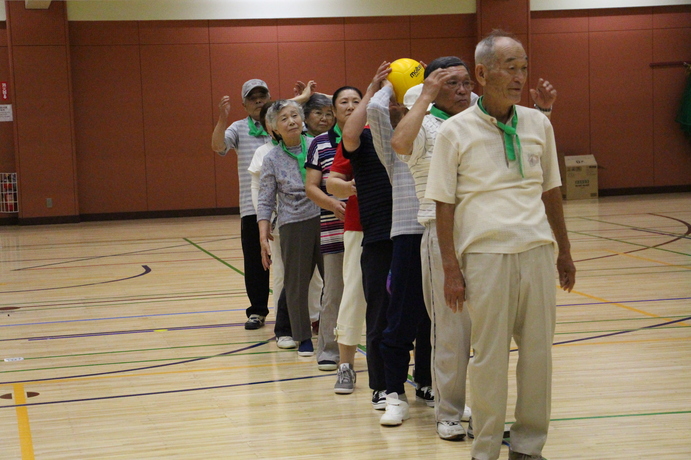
[
  {"x": 346, "y": 102},
  {"x": 254, "y": 102},
  {"x": 505, "y": 79},
  {"x": 454, "y": 95},
  {"x": 289, "y": 123},
  {"x": 320, "y": 120}
]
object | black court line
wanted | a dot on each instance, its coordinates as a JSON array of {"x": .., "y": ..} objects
[{"x": 146, "y": 271}]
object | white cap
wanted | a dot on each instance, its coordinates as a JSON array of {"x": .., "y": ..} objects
[
  {"x": 249, "y": 85},
  {"x": 411, "y": 95}
]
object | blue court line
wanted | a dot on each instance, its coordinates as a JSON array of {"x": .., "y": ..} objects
[{"x": 271, "y": 308}]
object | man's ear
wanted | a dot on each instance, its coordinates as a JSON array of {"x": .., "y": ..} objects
[{"x": 481, "y": 74}]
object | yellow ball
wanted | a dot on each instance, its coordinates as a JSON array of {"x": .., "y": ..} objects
[{"x": 405, "y": 73}]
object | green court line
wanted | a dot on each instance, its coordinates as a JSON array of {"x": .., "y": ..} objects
[
  {"x": 214, "y": 256},
  {"x": 218, "y": 258},
  {"x": 595, "y": 417}
]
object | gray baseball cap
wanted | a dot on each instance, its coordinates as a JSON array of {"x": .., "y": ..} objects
[{"x": 249, "y": 85}]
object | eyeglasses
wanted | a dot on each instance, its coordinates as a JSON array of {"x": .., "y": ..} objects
[{"x": 467, "y": 84}]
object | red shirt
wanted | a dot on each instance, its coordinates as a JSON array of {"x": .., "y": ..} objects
[{"x": 352, "y": 214}]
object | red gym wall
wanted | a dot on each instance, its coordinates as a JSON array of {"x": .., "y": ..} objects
[{"x": 144, "y": 94}]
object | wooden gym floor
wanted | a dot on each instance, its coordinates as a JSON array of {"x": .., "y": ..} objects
[{"x": 125, "y": 340}]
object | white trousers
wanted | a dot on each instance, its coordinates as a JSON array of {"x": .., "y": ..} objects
[
  {"x": 351, "y": 314},
  {"x": 316, "y": 285},
  {"x": 511, "y": 295},
  {"x": 450, "y": 333}
]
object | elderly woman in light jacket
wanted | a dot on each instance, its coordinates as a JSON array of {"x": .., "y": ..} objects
[{"x": 282, "y": 188}]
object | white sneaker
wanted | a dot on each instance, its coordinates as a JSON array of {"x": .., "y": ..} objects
[
  {"x": 396, "y": 411},
  {"x": 466, "y": 414},
  {"x": 450, "y": 430},
  {"x": 285, "y": 342}
]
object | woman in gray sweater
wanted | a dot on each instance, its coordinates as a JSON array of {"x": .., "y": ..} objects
[{"x": 282, "y": 188}]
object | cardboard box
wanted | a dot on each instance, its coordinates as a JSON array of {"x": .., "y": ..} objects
[{"x": 579, "y": 177}]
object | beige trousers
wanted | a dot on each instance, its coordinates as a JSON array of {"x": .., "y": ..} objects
[{"x": 511, "y": 295}]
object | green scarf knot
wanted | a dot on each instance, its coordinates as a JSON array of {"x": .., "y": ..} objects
[
  {"x": 338, "y": 132},
  {"x": 510, "y": 134},
  {"x": 301, "y": 158},
  {"x": 255, "y": 131}
]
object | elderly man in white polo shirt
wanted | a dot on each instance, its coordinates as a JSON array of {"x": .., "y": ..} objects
[{"x": 495, "y": 180}]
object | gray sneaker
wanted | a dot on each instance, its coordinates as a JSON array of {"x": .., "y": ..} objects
[{"x": 345, "y": 380}]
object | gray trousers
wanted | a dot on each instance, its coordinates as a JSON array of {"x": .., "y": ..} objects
[
  {"x": 327, "y": 348},
  {"x": 300, "y": 249},
  {"x": 450, "y": 333}
]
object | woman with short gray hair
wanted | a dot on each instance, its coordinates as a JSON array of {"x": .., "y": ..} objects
[{"x": 282, "y": 188}]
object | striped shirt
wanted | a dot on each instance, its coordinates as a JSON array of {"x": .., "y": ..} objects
[
  {"x": 320, "y": 157},
  {"x": 405, "y": 203},
  {"x": 418, "y": 162},
  {"x": 237, "y": 137}
]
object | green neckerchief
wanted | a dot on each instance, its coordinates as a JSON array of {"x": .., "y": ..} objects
[
  {"x": 274, "y": 141},
  {"x": 439, "y": 113},
  {"x": 509, "y": 135},
  {"x": 255, "y": 131},
  {"x": 338, "y": 132},
  {"x": 301, "y": 158}
]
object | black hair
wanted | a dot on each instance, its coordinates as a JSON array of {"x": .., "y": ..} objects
[
  {"x": 444, "y": 63},
  {"x": 344, "y": 88},
  {"x": 262, "y": 114}
]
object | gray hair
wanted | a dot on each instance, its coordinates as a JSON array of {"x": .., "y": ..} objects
[
  {"x": 484, "y": 51},
  {"x": 275, "y": 109},
  {"x": 315, "y": 102}
]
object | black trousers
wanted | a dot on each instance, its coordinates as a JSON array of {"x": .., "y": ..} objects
[
  {"x": 407, "y": 320},
  {"x": 256, "y": 278},
  {"x": 375, "y": 263}
]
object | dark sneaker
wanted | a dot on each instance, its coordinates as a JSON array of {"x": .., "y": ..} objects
[
  {"x": 379, "y": 399},
  {"x": 345, "y": 382},
  {"x": 518, "y": 456},
  {"x": 471, "y": 434},
  {"x": 326, "y": 365},
  {"x": 306, "y": 348},
  {"x": 254, "y": 322},
  {"x": 426, "y": 394}
]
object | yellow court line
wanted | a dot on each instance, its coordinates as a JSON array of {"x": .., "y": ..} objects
[
  {"x": 649, "y": 260},
  {"x": 635, "y": 310},
  {"x": 25, "y": 441},
  {"x": 181, "y": 371}
]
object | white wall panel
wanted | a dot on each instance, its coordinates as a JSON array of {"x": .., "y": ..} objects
[
  {"x": 545, "y": 5},
  {"x": 120, "y": 10}
]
